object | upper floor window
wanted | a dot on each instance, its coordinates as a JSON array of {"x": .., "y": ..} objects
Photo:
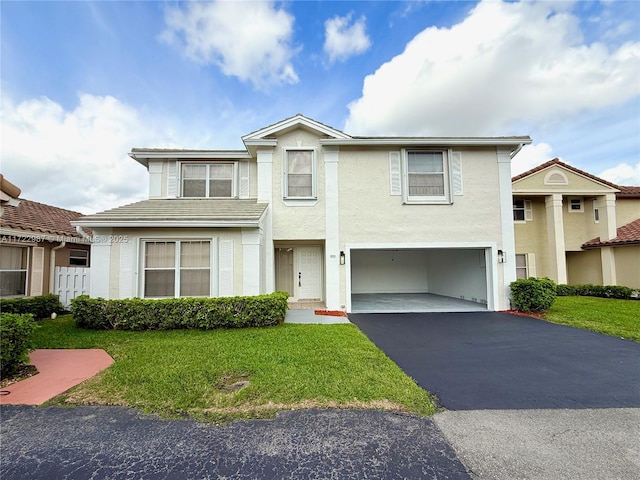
[
  {"x": 575, "y": 205},
  {"x": 426, "y": 178},
  {"x": 299, "y": 174},
  {"x": 209, "y": 180},
  {"x": 522, "y": 210},
  {"x": 596, "y": 211}
]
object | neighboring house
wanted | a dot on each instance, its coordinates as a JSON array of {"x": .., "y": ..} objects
[
  {"x": 354, "y": 223},
  {"x": 574, "y": 227},
  {"x": 36, "y": 240}
]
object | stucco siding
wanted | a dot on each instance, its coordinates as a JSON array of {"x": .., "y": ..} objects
[
  {"x": 577, "y": 184},
  {"x": 628, "y": 265},
  {"x": 627, "y": 210},
  {"x": 584, "y": 267}
]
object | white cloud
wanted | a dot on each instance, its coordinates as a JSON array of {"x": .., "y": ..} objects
[
  {"x": 505, "y": 64},
  {"x": 622, "y": 174},
  {"x": 531, "y": 156},
  {"x": 249, "y": 40},
  {"x": 75, "y": 159},
  {"x": 344, "y": 39}
]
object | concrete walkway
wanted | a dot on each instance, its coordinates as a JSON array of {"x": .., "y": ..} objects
[
  {"x": 309, "y": 316},
  {"x": 59, "y": 371}
]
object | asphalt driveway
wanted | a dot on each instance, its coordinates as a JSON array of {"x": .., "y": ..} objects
[{"x": 490, "y": 360}]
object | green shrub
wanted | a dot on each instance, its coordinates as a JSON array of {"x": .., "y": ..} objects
[
  {"x": 180, "y": 313},
  {"x": 40, "y": 307},
  {"x": 15, "y": 344},
  {"x": 533, "y": 294},
  {"x": 589, "y": 290}
]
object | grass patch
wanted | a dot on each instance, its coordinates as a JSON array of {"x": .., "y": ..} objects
[
  {"x": 192, "y": 372},
  {"x": 620, "y": 318}
]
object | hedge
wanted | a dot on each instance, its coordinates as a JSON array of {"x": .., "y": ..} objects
[
  {"x": 180, "y": 313},
  {"x": 40, "y": 307},
  {"x": 589, "y": 290},
  {"x": 15, "y": 344},
  {"x": 533, "y": 294}
]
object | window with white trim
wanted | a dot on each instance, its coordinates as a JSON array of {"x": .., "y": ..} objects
[
  {"x": 575, "y": 205},
  {"x": 522, "y": 210},
  {"x": 13, "y": 270},
  {"x": 79, "y": 258},
  {"x": 596, "y": 211},
  {"x": 522, "y": 270},
  {"x": 426, "y": 177},
  {"x": 177, "y": 268},
  {"x": 299, "y": 174},
  {"x": 214, "y": 180}
]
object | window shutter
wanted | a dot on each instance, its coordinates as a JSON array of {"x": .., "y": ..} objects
[
  {"x": 172, "y": 180},
  {"x": 225, "y": 268},
  {"x": 37, "y": 270},
  {"x": 126, "y": 269},
  {"x": 528, "y": 210},
  {"x": 531, "y": 264},
  {"x": 395, "y": 174},
  {"x": 456, "y": 173},
  {"x": 243, "y": 190}
]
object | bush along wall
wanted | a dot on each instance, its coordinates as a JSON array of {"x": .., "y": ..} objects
[
  {"x": 180, "y": 313},
  {"x": 533, "y": 294},
  {"x": 40, "y": 307},
  {"x": 15, "y": 343},
  {"x": 589, "y": 290}
]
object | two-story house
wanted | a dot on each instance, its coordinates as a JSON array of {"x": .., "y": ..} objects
[
  {"x": 574, "y": 227},
  {"x": 353, "y": 223}
]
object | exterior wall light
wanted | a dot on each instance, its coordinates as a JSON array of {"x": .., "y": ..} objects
[
  {"x": 502, "y": 258},
  {"x": 342, "y": 258}
]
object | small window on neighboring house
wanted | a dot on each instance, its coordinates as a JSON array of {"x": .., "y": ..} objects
[
  {"x": 575, "y": 205},
  {"x": 596, "y": 211},
  {"x": 521, "y": 266},
  {"x": 299, "y": 174},
  {"x": 522, "y": 210},
  {"x": 13, "y": 271},
  {"x": 209, "y": 180},
  {"x": 79, "y": 258}
]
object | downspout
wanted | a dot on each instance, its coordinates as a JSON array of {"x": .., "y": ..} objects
[
  {"x": 52, "y": 266},
  {"x": 517, "y": 150},
  {"x": 83, "y": 233}
]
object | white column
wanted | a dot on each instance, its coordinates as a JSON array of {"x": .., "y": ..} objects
[
  {"x": 555, "y": 228},
  {"x": 332, "y": 230},
  {"x": 608, "y": 231},
  {"x": 608, "y": 259},
  {"x": 100, "y": 263},
  {"x": 265, "y": 195},
  {"x": 251, "y": 261},
  {"x": 507, "y": 234}
]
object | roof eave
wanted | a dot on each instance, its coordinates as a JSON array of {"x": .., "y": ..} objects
[
  {"x": 514, "y": 142},
  {"x": 168, "y": 223}
]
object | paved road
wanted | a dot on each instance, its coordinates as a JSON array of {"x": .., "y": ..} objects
[
  {"x": 489, "y": 360},
  {"x": 115, "y": 442}
]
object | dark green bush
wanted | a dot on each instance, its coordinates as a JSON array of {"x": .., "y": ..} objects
[
  {"x": 180, "y": 313},
  {"x": 40, "y": 307},
  {"x": 589, "y": 290},
  {"x": 15, "y": 344},
  {"x": 533, "y": 294}
]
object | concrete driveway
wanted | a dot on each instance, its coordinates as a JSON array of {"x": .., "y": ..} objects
[
  {"x": 527, "y": 399},
  {"x": 489, "y": 360}
]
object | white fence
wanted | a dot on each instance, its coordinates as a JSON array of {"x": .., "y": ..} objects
[{"x": 71, "y": 282}]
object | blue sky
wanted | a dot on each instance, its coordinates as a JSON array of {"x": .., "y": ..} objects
[{"x": 84, "y": 82}]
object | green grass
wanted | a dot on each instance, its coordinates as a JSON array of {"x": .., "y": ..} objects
[
  {"x": 620, "y": 318},
  {"x": 182, "y": 372}
]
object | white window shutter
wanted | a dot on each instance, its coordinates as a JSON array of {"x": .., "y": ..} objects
[
  {"x": 127, "y": 252},
  {"x": 243, "y": 173},
  {"x": 37, "y": 270},
  {"x": 225, "y": 268},
  {"x": 172, "y": 180},
  {"x": 395, "y": 174},
  {"x": 456, "y": 173},
  {"x": 531, "y": 264},
  {"x": 528, "y": 210}
]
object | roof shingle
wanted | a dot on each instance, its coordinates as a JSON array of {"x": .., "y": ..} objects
[{"x": 628, "y": 234}]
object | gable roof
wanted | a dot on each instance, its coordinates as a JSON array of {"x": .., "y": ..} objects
[
  {"x": 179, "y": 212},
  {"x": 290, "y": 123},
  {"x": 628, "y": 234},
  {"x": 39, "y": 219},
  {"x": 557, "y": 162}
]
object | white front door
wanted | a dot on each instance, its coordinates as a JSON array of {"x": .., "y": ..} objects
[{"x": 308, "y": 273}]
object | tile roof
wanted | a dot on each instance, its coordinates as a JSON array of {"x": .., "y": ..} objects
[
  {"x": 30, "y": 216},
  {"x": 556, "y": 161},
  {"x": 628, "y": 234},
  {"x": 180, "y": 210},
  {"x": 630, "y": 191}
]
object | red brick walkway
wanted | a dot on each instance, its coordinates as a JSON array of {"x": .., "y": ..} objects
[{"x": 59, "y": 371}]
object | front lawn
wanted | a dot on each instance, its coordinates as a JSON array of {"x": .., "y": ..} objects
[
  {"x": 193, "y": 372},
  {"x": 620, "y": 318}
]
